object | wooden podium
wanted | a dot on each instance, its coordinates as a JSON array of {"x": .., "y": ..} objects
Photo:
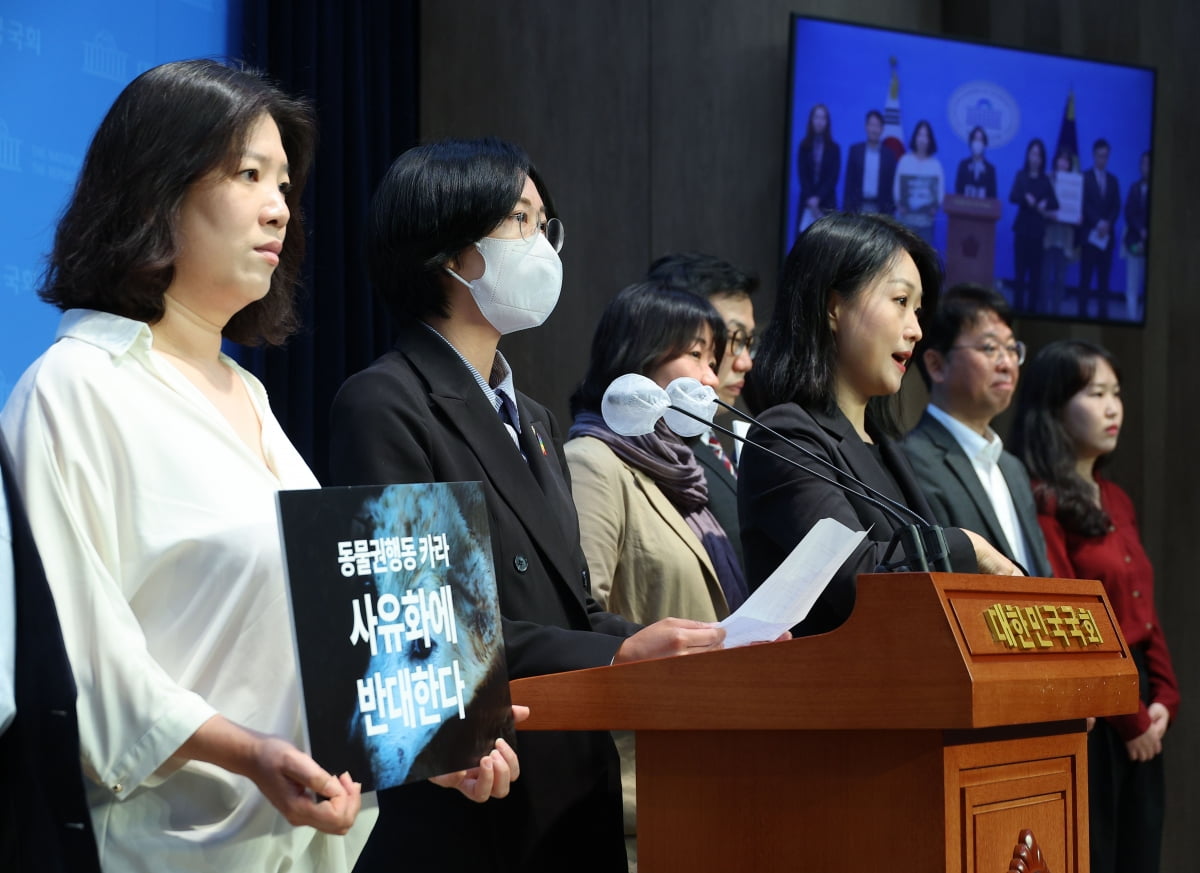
[
  {"x": 945, "y": 716},
  {"x": 971, "y": 239}
]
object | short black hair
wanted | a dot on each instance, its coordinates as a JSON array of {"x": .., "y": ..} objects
[
  {"x": 706, "y": 275},
  {"x": 117, "y": 242},
  {"x": 958, "y": 309},
  {"x": 1040, "y": 439},
  {"x": 797, "y": 354},
  {"x": 912, "y": 141},
  {"x": 874, "y": 113},
  {"x": 1101, "y": 143},
  {"x": 434, "y": 201},
  {"x": 644, "y": 326},
  {"x": 977, "y": 129}
]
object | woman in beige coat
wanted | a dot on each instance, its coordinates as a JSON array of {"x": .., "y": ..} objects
[{"x": 653, "y": 547}]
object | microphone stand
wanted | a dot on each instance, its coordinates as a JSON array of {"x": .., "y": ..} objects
[{"x": 923, "y": 545}]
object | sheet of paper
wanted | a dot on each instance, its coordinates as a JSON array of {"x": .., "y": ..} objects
[
  {"x": 787, "y": 595},
  {"x": 1099, "y": 240}
]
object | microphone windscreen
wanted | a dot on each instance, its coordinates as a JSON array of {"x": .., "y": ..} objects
[
  {"x": 694, "y": 397},
  {"x": 633, "y": 404}
]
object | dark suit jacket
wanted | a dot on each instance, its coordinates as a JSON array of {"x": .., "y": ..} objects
[
  {"x": 1137, "y": 214},
  {"x": 722, "y": 494},
  {"x": 1097, "y": 208},
  {"x": 819, "y": 181},
  {"x": 44, "y": 820},
  {"x": 417, "y": 415},
  {"x": 1029, "y": 221},
  {"x": 964, "y": 177},
  {"x": 779, "y": 503},
  {"x": 852, "y": 195},
  {"x": 957, "y": 497}
]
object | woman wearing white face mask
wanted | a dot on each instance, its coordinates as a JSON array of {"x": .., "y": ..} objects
[
  {"x": 976, "y": 176},
  {"x": 463, "y": 248}
]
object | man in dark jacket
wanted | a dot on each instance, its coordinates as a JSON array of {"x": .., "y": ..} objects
[
  {"x": 44, "y": 821},
  {"x": 970, "y": 361}
]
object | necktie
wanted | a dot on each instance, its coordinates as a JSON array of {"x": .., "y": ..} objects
[
  {"x": 508, "y": 415},
  {"x": 719, "y": 451}
]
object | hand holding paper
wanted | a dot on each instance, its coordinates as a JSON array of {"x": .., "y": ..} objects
[{"x": 788, "y": 594}]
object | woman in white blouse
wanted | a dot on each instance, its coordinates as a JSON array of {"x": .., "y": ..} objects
[
  {"x": 150, "y": 462},
  {"x": 920, "y": 184}
]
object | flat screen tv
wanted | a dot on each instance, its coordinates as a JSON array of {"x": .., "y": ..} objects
[{"x": 1028, "y": 172}]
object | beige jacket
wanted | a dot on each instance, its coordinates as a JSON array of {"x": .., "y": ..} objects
[{"x": 645, "y": 563}]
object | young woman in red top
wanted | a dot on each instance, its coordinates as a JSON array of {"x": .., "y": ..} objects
[{"x": 1068, "y": 421}]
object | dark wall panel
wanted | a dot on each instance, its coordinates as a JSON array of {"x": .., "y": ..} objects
[{"x": 568, "y": 82}]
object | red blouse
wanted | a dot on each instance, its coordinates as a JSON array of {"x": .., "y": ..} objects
[{"x": 1118, "y": 560}]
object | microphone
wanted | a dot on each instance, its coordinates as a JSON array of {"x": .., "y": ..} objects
[
  {"x": 632, "y": 404},
  {"x": 636, "y": 403},
  {"x": 692, "y": 407}
]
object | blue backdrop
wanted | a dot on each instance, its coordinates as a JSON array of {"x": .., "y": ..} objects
[
  {"x": 848, "y": 68},
  {"x": 62, "y": 65}
]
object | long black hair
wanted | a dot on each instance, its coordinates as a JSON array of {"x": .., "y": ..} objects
[
  {"x": 643, "y": 327},
  {"x": 1039, "y": 437},
  {"x": 810, "y": 132},
  {"x": 117, "y": 242},
  {"x": 797, "y": 354},
  {"x": 1041, "y": 146}
]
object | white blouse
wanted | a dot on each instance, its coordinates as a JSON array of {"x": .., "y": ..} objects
[{"x": 157, "y": 527}]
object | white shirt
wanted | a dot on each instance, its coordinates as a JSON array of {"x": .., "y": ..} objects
[
  {"x": 8, "y": 621},
  {"x": 157, "y": 528},
  {"x": 501, "y": 378},
  {"x": 984, "y": 453},
  {"x": 911, "y": 165},
  {"x": 870, "y": 185}
]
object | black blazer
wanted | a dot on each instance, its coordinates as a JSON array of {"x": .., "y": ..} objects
[
  {"x": 779, "y": 503},
  {"x": 417, "y": 415},
  {"x": 852, "y": 193},
  {"x": 819, "y": 181},
  {"x": 1029, "y": 221},
  {"x": 1097, "y": 208},
  {"x": 986, "y": 180},
  {"x": 44, "y": 820},
  {"x": 1137, "y": 214},
  {"x": 957, "y": 497},
  {"x": 722, "y": 494}
]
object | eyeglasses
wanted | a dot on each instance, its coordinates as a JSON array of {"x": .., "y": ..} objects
[
  {"x": 523, "y": 225},
  {"x": 741, "y": 341},
  {"x": 994, "y": 351}
]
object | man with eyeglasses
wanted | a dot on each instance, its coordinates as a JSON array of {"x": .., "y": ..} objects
[
  {"x": 729, "y": 290},
  {"x": 970, "y": 362}
]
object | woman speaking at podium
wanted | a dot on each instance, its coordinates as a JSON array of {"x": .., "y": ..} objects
[{"x": 829, "y": 362}]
